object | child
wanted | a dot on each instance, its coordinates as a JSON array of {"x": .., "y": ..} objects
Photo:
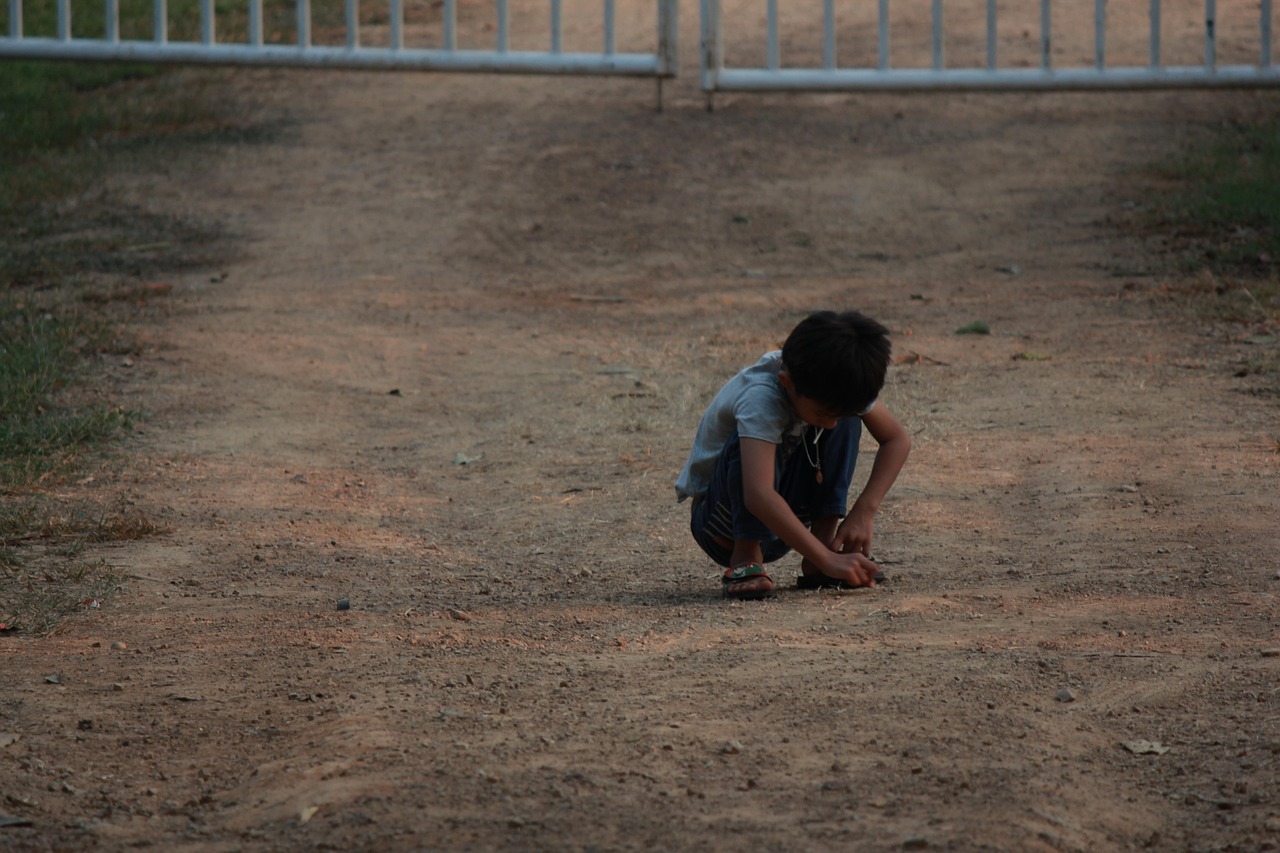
[{"x": 773, "y": 458}]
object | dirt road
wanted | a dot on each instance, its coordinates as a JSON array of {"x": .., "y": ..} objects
[{"x": 450, "y": 379}]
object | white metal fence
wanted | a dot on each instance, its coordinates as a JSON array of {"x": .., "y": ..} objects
[
  {"x": 988, "y": 44},
  {"x": 806, "y": 44},
  {"x": 387, "y": 34}
]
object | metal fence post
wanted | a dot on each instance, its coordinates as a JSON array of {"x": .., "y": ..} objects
[
  {"x": 712, "y": 48},
  {"x": 668, "y": 37}
]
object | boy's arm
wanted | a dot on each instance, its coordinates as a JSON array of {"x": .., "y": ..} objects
[
  {"x": 854, "y": 533},
  {"x": 764, "y": 502}
]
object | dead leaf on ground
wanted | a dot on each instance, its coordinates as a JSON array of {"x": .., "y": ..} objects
[
  {"x": 917, "y": 358},
  {"x": 1144, "y": 747}
]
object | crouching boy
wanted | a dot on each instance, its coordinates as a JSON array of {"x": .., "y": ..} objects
[{"x": 773, "y": 458}]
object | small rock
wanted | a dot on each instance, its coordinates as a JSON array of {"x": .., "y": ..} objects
[
  {"x": 53, "y": 679},
  {"x": 1271, "y": 653},
  {"x": 117, "y": 687},
  {"x": 344, "y": 604},
  {"x": 915, "y": 842},
  {"x": 119, "y": 646},
  {"x": 460, "y": 615},
  {"x": 733, "y": 747},
  {"x": 1066, "y": 695}
]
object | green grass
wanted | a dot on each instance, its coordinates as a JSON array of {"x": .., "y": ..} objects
[
  {"x": 1220, "y": 214},
  {"x": 77, "y": 265},
  {"x": 49, "y": 425},
  {"x": 40, "y": 355},
  {"x": 38, "y": 602},
  {"x": 1225, "y": 210}
]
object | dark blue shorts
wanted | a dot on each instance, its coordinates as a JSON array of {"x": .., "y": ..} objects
[{"x": 722, "y": 510}]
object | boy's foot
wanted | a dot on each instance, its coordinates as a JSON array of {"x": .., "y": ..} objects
[{"x": 748, "y": 582}]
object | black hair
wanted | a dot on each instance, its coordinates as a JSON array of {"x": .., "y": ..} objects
[{"x": 838, "y": 359}]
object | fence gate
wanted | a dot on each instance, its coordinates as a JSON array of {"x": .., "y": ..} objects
[
  {"x": 746, "y": 44},
  {"x": 987, "y": 44},
  {"x": 552, "y": 37}
]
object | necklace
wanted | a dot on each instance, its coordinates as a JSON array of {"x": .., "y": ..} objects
[{"x": 816, "y": 459}]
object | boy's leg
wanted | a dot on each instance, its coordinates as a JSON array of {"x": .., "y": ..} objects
[
  {"x": 822, "y": 505},
  {"x": 729, "y": 534},
  {"x": 818, "y": 500},
  {"x": 842, "y": 454},
  {"x": 734, "y": 538},
  {"x": 811, "y": 577}
]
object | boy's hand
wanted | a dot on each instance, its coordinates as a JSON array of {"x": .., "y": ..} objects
[
  {"x": 857, "y": 569},
  {"x": 853, "y": 536},
  {"x": 844, "y": 561}
]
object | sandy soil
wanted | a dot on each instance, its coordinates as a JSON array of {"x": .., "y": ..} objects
[{"x": 450, "y": 379}]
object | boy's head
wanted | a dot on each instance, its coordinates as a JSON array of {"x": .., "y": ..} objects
[{"x": 839, "y": 360}]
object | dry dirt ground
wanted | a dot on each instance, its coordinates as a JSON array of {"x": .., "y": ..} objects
[{"x": 450, "y": 377}]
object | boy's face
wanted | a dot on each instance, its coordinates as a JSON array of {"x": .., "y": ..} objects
[{"x": 810, "y": 410}]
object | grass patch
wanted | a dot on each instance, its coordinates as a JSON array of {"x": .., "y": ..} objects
[
  {"x": 1218, "y": 208},
  {"x": 39, "y": 601},
  {"x": 40, "y": 355},
  {"x": 49, "y": 424},
  {"x": 77, "y": 264},
  {"x": 1223, "y": 212},
  {"x": 45, "y": 604}
]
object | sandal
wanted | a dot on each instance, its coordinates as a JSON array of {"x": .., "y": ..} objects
[
  {"x": 749, "y": 574},
  {"x": 823, "y": 582}
]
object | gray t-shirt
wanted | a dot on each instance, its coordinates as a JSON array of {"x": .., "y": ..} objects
[{"x": 755, "y": 403}]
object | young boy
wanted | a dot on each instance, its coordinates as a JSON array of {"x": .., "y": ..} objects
[{"x": 773, "y": 458}]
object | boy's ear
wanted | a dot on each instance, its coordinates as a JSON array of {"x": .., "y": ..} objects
[{"x": 785, "y": 379}]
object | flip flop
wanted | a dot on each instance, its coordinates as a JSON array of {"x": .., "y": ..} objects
[
  {"x": 824, "y": 582},
  {"x": 743, "y": 573}
]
